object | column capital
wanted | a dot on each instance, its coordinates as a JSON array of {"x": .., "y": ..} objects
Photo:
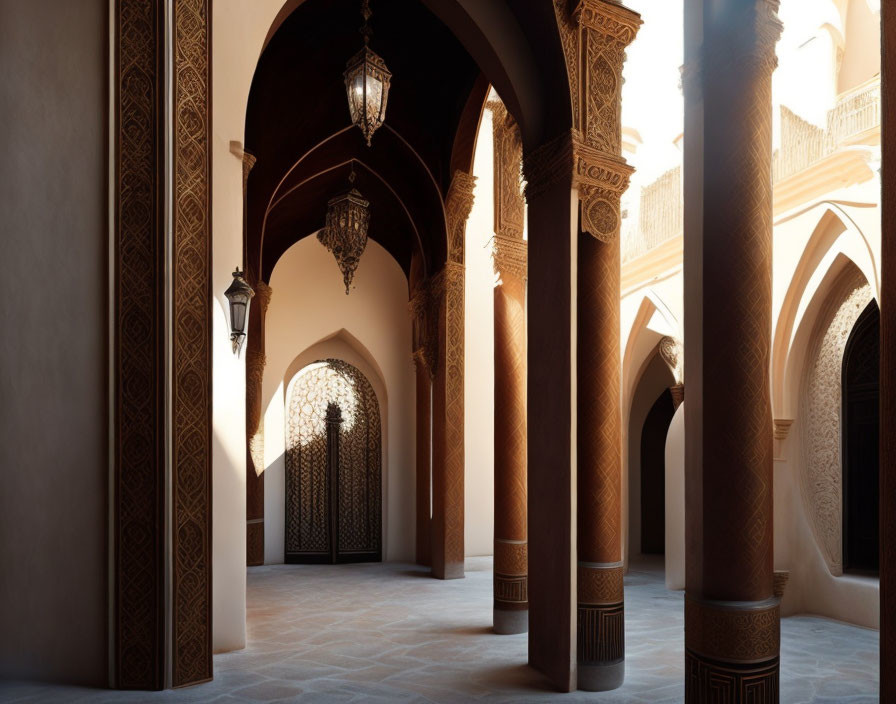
[
  {"x": 670, "y": 350},
  {"x": 458, "y": 204},
  {"x": 609, "y": 18},
  {"x": 511, "y": 256},
  {"x": 424, "y": 329},
  {"x": 509, "y": 203}
]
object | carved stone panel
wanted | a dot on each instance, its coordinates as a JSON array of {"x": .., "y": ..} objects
[{"x": 821, "y": 472}]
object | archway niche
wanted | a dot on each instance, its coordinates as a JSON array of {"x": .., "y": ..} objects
[
  {"x": 333, "y": 466},
  {"x": 648, "y": 422},
  {"x": 861, "y": 439}
]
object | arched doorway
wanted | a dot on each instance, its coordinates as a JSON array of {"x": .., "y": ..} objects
[
  {"x": 333, "y": 466},
  {"x": 861, "y": 433},
  {"x": 653, "y": 475}
]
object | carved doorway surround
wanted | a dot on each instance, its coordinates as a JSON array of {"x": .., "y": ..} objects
[{"x": 333, "y": 467}]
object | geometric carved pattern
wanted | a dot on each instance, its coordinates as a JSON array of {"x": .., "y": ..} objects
[
  {"x": 508, "y": 157},
  {"x": 446, "y": 307},
  {"x": 255, "y": 363},
  {"x": 821, "y": 475},
  {"x": 601, "y": 634},
  {"x": 335, "y": 385},
  {"x": 732, "y": 632},
  {"x": 447, "y": 292},
  {"x": 707, "y": 680},
  {"x": 599, "y": 585},
  {"x": 191, "y": 362},
  {"x": 511, "y": 584},
  {"x": 139, "y": 348}
]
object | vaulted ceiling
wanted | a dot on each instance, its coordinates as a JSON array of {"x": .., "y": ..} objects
[{"x": 298, "y": 127}]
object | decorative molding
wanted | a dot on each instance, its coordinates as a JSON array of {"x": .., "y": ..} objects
[
  {"x": 458, "y": 204},
  {"x": 447, "y": 292},
  {"x": 599, "y": 586},
  {"x": 549, "y": 165},
  {"x": 511, "y": 256},
  {"x": 191, "y": 360},
  {"x": 734, "y": 632},
  {"x": 821, "y": 472},
  {"x": 139, "y": 348},
  {"x": 672, "y": 353},
  {"x": 707, "y": 680},
  {"x": 424, "y": 330},
  {"x": 677, "y": 391},
  {"x": 781, "y": 579},
  {"x": 510, "y": 205},
  {"x": 782, "y": 428},
  {"x": 248, "y": 162}
]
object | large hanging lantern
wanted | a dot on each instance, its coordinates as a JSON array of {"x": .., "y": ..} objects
[
  {"x": 345, "y": 233},
  {"x": 367, "y": 82},
  {"x": 239, "y": 295}
]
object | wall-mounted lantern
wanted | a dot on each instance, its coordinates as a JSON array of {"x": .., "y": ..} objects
[{"x": 239, "y": 294}]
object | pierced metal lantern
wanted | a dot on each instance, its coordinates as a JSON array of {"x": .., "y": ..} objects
[
  {"x": 239, "y": 294},
  {"x": 345, "y": 233},
  {"x": 367, "y": 82}
]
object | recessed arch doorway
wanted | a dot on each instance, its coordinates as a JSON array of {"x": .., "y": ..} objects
[
  {"x": 861, "y": 439},
  {"x": 333, "y": 466}
]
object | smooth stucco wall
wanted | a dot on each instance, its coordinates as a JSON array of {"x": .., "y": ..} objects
[
  {"x": 54, "y": 348},
  {"x": 238, "y": 28},
  {"x": 675, "y": 501},
  {"x": 309, "y": 305}
]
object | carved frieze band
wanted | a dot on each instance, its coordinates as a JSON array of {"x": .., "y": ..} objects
[
  {"x": 139, "y": 348},
  {"x": 511, "y": 256},
  {"x": 508, "y": 186},
  {"x": 511, "y": 584},
  {"x": 191, "y": 361},
  {"x": 598, "y": 585},
  {"x": 600, "y": 634},
  {"x": 707, "y": 680},
  {"x": 733, "y": 632}
]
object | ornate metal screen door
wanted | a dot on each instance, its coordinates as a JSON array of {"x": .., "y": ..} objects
[{"x": 333, "y": 466}]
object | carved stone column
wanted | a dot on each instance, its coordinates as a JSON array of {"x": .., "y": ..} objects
[
  {"x": 732, "y": 621},
  {"x": 604, "y": 30},
  {"x": 423, "y": 351},
  {"x": 511, "y": 583},
  {"x": 255, "y": 363},
  {"x": 447, "y": 301},
  {"x": 888, "y": 364}
]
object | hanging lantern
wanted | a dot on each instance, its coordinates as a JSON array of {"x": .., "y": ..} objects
[
  {"x": 345, "y": 233},
  {"x": 238, "y": 294},
  {"x": 367, "y": 82}
]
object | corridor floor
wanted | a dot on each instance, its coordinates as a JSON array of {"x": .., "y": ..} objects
[{"x": 389, "y": 633}]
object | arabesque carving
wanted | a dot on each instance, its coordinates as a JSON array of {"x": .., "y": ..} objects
[
  {"x": 821, "y": 475},
  {"x": 509, "y": 202},
  {"x": 672, "y": 353}
]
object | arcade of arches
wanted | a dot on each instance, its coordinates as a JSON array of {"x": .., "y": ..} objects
[{"x": 614, "y": 371}]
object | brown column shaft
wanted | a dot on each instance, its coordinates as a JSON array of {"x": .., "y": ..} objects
[
  {"x": 448, "y": 427},
  {"x": 511, "y": 548},
  {"x": 424, "y": 467},
  {"x": 888, "y": 365},
  {"x": 600, "y": 570},
  {"x": 732, "y": 618}
]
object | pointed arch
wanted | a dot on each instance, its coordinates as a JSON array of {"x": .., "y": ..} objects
[{"x": 835, "y": 240}]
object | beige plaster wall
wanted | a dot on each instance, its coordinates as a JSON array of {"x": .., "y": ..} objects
[
  {"x": 238, "y": 31},
  {"x": 369, "y": 328},
  {"x": 675, "y": 501},
  {"x": 54, "y": 444}
]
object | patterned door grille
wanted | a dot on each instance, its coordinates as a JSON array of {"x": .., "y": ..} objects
[{"x": 352, "y": 487}]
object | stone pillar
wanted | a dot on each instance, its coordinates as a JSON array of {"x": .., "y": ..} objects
[
  {"x": 511, "y": 583},
  {"x": 604, "y": 29},
  {"x": 255, "y": 363},
  {"x": 447, "y": 304},
  {"x": 732, "y": 620},
  {"x": 423, "y": 351},
  {"x": 888, "y": 364}
]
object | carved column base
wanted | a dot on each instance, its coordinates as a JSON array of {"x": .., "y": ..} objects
[
  {"x": 730, "y": 683},
  {"x": 511, "y": 586},
  {"x": 732, "y": 651},
  {"x": 601, "y": 627}
]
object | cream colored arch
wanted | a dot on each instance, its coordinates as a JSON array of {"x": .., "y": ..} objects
[
  {"x": 652, "y": 322},
  {"x": 836, "y": 239}
]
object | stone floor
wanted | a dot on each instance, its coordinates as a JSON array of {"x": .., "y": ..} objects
[{"x": 389, "y": 633}]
